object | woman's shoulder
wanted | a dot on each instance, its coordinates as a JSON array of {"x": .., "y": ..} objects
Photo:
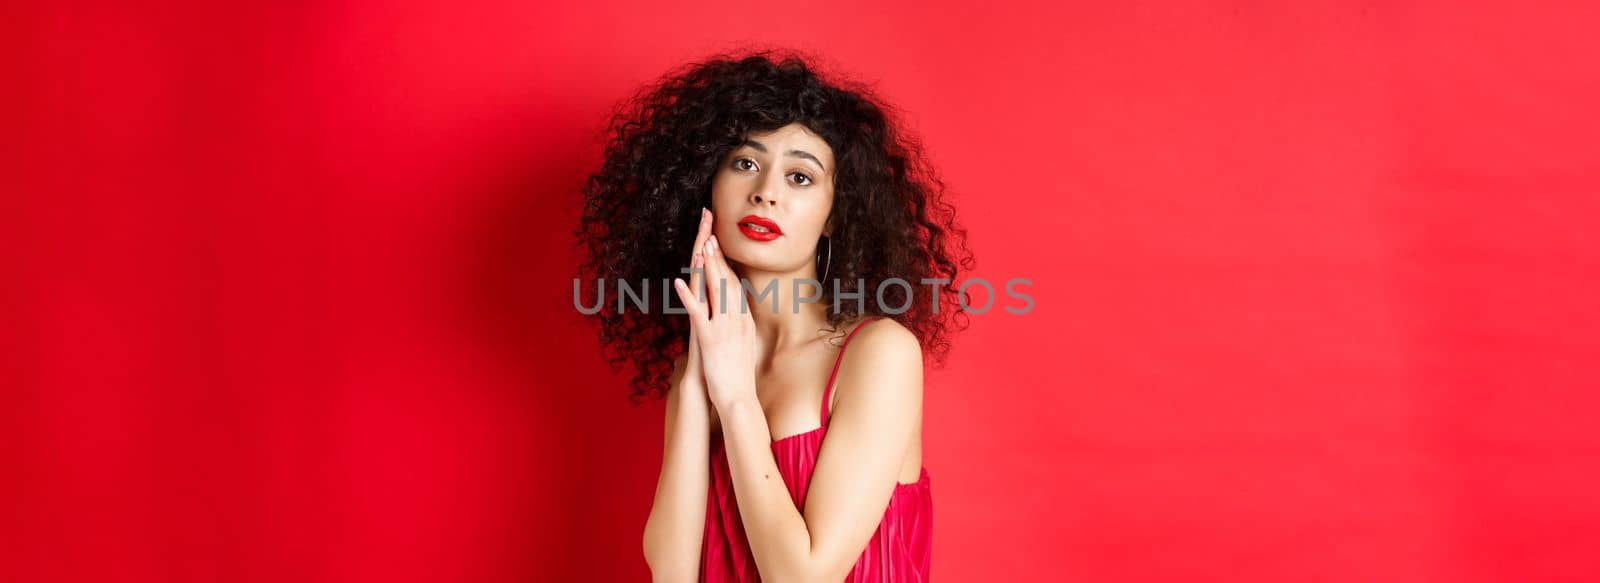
[
  {"x": 883, "y": 354},
  {"x": 884, "y": 340}
]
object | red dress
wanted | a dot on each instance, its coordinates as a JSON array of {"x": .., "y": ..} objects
[{"x": 898, "y": 551}]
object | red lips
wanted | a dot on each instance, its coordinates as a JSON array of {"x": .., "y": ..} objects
[{"x": 748, "y": 224}]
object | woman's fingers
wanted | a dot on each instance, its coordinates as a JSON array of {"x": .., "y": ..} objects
[
  {"x": 696, "y": 309},
  {"x": 696, "y": 277},
  {"x": 726, "y": 287},
  {"x": 716, "y": 278},
  {"x": 700, "y": 262},
  {"x": 697, "y": 256}
]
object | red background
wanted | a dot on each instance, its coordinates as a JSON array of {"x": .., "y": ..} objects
[{"x": 287, "y": 287}]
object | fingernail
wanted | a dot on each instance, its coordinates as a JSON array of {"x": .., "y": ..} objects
[{"x": 710, "y": 244}]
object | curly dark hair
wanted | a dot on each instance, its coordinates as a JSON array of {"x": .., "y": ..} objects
[{"x": 664, "y": 146}]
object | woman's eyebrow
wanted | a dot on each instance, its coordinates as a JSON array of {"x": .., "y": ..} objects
[{"x": 759, "y": 147}]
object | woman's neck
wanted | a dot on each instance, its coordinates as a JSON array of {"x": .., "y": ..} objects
[{"x": 781, "y": 319}]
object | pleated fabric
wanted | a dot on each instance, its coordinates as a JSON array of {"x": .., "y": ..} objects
[{"x": 899, "y": 551}]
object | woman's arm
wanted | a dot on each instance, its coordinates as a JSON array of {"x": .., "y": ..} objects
[
  {"x": 872, "y": 427},
  {"x": 675, "y": 530}
]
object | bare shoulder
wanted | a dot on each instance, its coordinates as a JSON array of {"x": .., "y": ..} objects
[
  {"x": 879, "y": 383},
  {"x": 883, "y": 353},
  {"x": 885, "y": 341}
]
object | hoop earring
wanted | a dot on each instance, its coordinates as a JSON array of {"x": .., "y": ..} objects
[{"x": 829, "y": 263}]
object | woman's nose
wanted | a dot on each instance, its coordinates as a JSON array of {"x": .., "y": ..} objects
[
  {"x": 768, "y": 189},
  {"x": 764, "y": 195}
]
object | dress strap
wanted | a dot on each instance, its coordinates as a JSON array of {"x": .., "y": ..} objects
[{"x": 828, "y": 391}]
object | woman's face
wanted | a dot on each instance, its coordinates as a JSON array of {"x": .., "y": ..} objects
[{"x": 785, "y": 177}]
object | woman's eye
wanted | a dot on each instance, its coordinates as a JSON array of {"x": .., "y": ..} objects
[
  {"x": 800, "y": 177},
  {"x": 736, "y": 163}
]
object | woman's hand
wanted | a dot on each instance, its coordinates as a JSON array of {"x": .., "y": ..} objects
[
  {"x": 694, "y": 381},
  {"x": 721, "y": 321}
]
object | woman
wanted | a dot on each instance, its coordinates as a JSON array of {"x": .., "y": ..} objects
[{"x": 783, "y": 459}]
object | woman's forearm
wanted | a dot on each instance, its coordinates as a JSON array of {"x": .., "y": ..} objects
[
  {"x": 779, "y": 539},
  {"x": 675, "y": 530}
]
